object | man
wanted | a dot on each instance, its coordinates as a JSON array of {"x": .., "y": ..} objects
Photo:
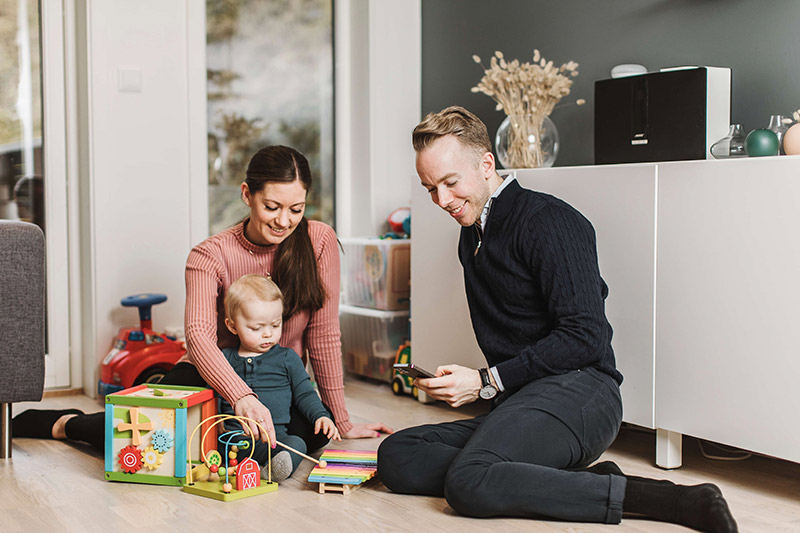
[{"x": 537, "y": 304}]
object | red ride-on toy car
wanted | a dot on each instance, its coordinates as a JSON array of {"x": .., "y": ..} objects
[{"x": 139, "y": 355}]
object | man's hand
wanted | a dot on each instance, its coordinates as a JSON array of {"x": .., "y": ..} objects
[
  {"x": 250, "y": 407},
  {"x": 455, "y": 384}
]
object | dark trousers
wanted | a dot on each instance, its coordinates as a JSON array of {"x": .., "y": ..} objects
[
  {"x": 524, "y": 458},
  {"x": 91, "y": 428}
]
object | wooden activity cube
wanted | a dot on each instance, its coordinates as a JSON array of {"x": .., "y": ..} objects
[{"x": 146, "y": 432}]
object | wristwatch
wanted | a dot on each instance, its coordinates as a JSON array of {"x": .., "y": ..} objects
[{"x": 488, "y": 391}]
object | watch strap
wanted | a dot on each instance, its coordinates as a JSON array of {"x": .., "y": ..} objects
[{"x": 484, "y": 372}]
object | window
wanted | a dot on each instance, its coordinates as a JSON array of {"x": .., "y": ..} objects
[
  {"x": 270, "y": 81},
  {"x": 21, "y": 183}
]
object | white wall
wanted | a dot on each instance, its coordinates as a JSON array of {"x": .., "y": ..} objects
[
  {"x": 143, "y": 171},
  {"x": 378, "y": 103}
]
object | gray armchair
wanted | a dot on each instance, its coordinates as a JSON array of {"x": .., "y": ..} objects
[{"x": 22, "y": 299}]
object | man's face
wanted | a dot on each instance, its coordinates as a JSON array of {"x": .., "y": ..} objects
[{"x": 456, "y": 178}]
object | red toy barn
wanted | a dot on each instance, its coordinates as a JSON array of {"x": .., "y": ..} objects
[{"x": 248, "y": 474}]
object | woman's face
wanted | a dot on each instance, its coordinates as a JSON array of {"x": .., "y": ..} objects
[{"x": 275, "y": 211}]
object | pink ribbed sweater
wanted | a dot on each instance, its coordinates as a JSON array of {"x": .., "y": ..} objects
[{"x": 222, "y": 259}]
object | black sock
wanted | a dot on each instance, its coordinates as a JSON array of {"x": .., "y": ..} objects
[
  {"x": 700, "y": 507},
  {"x": 38, "y": 423}
]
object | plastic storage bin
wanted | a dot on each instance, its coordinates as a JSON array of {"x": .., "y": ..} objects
[
  {"x": 376, "y": 273},
  {"x": 370, "y": 339}
]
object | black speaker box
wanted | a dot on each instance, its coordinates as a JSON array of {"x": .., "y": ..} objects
[{"x": 671, "y": 115}]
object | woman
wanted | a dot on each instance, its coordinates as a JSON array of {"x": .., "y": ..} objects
[{"x": 276, "y": 240}]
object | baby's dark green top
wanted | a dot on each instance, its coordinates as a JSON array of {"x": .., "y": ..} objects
[{"x": 280, "y": 380}]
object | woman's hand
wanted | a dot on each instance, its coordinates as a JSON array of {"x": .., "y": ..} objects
[
  {"x": 327, "y": 426},
  {"x": 366, "y": 431},
  {"x": 249, "y": 406},
  {"x": 455, "y": 384}
]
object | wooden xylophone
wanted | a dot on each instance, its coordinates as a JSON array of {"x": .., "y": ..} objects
[{"x": 346, "y": 470}]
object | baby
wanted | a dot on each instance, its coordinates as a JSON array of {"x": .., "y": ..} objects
[{"x": 254, "y": 312}]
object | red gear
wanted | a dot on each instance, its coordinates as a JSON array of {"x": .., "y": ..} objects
[{"x": 130, "y": 459}]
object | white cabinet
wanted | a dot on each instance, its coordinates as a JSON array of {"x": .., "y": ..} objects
[
  {"x": 728, "y": 303},
  {"x": 703, "y": 269}
]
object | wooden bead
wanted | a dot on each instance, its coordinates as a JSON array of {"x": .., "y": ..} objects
[
  {"x": 233, "y": 462},
  {"x": 227, "y": 488},
  {"x": 323, "y": 463},
  {"x": 232, "y": 455},
  {"x": 214, "y": 468},
  {"x": 234, "y": 448}
]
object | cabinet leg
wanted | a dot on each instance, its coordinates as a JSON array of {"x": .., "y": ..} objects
[{"x": 669, "y": 449}]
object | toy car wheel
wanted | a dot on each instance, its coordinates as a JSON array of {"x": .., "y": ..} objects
[
  {"x": 397, "y": 386},
  {"x": 415, "y": 392},
  {"x": 151, "y": 375}
]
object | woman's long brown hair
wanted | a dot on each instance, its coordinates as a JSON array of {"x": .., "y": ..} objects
[{"x": 294, "y": 269}]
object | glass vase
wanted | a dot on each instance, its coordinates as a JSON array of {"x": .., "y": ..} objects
[
  {"x": 732, "y": 145},
  {"x": 779, "y": 124},
  {"x": 529, "y": 141}
]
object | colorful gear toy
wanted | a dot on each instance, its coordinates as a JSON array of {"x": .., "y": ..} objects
[
  {"x": 130, "y": 459},
  {"x": 161, "y": 440},
  {"x": 151, "y": 458}
]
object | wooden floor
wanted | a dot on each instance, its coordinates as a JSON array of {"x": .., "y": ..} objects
[{"x": 54, "y": 486}]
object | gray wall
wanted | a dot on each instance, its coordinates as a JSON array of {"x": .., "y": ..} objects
[{"x": 758, "y": 39}]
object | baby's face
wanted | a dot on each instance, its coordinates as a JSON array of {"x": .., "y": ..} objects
[{"x": 258, "y": 325}]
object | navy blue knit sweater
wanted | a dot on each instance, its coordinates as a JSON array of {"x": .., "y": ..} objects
[{"x": 535, "y": 294}]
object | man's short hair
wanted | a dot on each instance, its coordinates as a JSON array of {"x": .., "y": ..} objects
[
  {"x": 250, "y": 287},
  {"x": 456, "y": 121}
]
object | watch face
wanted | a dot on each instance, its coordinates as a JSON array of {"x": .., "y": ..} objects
[{"x": 488, "y": 392}]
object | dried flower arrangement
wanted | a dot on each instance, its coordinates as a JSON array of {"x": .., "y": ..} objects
[{"x": 527, "y": 92}]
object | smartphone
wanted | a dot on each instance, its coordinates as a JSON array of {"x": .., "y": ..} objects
[{"x": 413, "y": 371}]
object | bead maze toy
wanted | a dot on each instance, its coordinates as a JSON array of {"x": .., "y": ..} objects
[
  {"x": 206, "y": 477},
  {"x": 346, "y": 470},
  {"x": 145, "y": 432},
  {"x": 212, "y": 479}
]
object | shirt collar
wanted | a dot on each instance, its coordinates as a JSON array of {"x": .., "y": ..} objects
[{"x": 485, "y": 213}]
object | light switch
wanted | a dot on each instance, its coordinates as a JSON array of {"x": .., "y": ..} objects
[{"x": 129, "y": 79}]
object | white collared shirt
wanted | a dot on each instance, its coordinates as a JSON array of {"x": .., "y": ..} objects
[{"x": 488, "y": 206}]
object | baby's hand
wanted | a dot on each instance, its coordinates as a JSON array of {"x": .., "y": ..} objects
[{"x": 327, "y": 426}]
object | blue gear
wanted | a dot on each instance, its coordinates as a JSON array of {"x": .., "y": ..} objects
[{"x": 161, "y": 440}]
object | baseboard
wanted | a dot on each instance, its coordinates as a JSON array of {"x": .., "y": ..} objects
[{"x": 55, "y": 393}]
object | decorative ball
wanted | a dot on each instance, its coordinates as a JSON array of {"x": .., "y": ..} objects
[
  {"x": 232, "y": 454},
  {"x": 214, "y": 468},
  {"x": 227, "y": 488},
  {"x": 234, "y": 448},
  {"x": 233, "y": 462},
  {"x": 761, "y": 142},
  {"x": 323, "y": 463},
  {"x": 791, "y": 140},
  {"x": 222, "y": 471}
]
